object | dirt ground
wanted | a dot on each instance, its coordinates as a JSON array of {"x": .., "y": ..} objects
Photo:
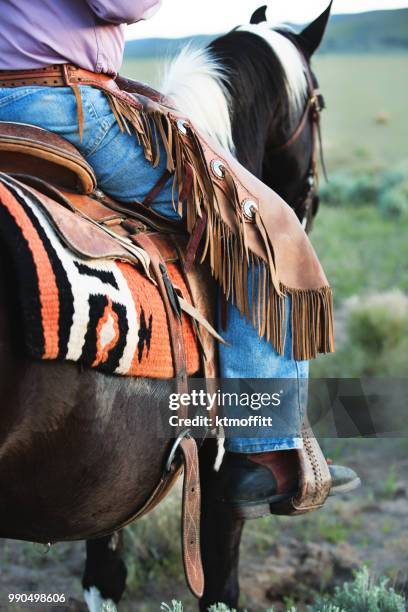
[{"x": 283, "y": 560}]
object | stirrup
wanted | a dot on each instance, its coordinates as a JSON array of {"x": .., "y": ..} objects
[{"x": 314, "y": 479}]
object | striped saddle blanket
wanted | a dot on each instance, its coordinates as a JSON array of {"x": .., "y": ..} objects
[{"x": 103, "y": 313}]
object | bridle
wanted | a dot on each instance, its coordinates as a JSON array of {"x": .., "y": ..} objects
[{"x": 306, "y": 204}]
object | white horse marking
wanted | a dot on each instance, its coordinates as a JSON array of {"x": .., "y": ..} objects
[
  {"x": 96, "y": 603},
  {"x": 290, "y": 60}
]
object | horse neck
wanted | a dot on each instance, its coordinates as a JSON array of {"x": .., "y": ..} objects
[
  {"x": 265, "y": 81},
  {"x": 239, "y": 99},
  {"x": 252, "y": 121},
  {"x": 208, "y": 89}
]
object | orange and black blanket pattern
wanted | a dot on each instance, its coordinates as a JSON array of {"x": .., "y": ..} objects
[{"x": 104, "y": 314}]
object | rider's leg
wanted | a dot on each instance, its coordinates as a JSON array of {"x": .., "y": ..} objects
[
  {"x": 260, "y": 467},
  {"x": 118, "y": 160},
  {"x": 247, "y": 356}
]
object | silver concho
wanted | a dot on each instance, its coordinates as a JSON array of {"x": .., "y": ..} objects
[
  {"x": 249, "y": 208},
  {"x": 98, "y": 194},
  {"x": 218, "y": 168},
  {"x": 182, "y": 126}
]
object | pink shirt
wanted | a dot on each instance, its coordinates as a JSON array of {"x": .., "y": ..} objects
[{"x": 88, "y": 33}]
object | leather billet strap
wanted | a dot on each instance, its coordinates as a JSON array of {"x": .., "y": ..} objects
[
  {"x": 191, "y": 518},
  {"x": 191, "y": 507},
  {"x": 186, "y": 461},
  {"x": 248, "y": 226}
]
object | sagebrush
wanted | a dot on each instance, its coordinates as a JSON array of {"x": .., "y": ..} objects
[{"x": 363, "y": 594}]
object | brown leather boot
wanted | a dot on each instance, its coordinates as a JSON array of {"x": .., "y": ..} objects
[{"x": 250, "y": 484}]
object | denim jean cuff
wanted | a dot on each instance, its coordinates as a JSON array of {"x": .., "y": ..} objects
[{"x": 252, "y": 445}]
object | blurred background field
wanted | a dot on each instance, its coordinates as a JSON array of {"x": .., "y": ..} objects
[
  {"x": 361, "y": 236},
  {"x": 358, "y": 88},
  {"x": 361, "y": 232}
]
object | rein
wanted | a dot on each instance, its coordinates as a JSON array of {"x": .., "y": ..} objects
[{"x": 307, "y": 204}]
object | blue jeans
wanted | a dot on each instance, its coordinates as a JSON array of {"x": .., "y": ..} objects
[{"x": 123, "y": 172}]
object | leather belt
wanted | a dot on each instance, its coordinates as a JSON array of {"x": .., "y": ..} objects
[
  {"x": 66, "y": 75},
  {"x": 49, "y": 76},
  {"x": 63, "y": 75}
]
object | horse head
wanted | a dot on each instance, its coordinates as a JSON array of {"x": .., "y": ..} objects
[{"x": 253, "y": 90}]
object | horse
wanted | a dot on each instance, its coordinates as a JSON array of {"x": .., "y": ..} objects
[{"x": 79, "y": 457}]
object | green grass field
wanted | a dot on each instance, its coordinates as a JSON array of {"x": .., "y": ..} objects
[
  {"x": 362, "y": 250},
  {"x": 357, "y": 88},
  {"x": 365, "y": 133}
]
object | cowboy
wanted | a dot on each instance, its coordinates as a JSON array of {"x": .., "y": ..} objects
[{"x": 89, "y": 34}]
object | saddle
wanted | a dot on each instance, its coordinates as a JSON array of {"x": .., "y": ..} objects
[{"x": 30, "y": 150}]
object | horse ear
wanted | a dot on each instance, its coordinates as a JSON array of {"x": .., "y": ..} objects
[
  {"x": 311, "y": 37},
  {"x": 260, "y": 15}
]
